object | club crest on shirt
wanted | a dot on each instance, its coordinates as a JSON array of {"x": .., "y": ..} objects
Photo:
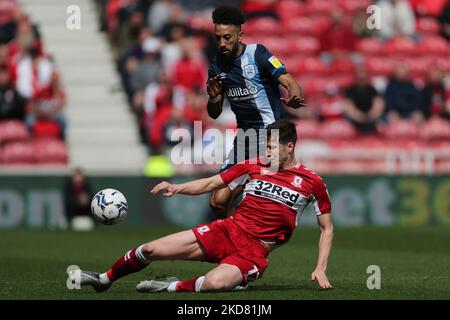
[
  {"x": 249, "y": 70},
  {"x": 297, "y": 181}
]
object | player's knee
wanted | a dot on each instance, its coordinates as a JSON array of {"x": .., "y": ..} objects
[
  {"x": 214, "y": 283},
  {"x": 148, "y": 250},
  {"x": 218, "y": 206}
]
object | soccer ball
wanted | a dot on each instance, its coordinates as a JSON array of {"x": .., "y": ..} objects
[{"x": 109, "y": 206}]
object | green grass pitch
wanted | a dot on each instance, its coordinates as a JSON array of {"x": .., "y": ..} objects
[{"x": 414, "y": 262}]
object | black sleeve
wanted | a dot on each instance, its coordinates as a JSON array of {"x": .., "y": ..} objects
[{"x": 268, "y": 64}]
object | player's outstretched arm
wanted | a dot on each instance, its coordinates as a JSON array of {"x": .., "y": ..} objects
[
  {"x": 295, "y": 99},
  {"x": 215, "y": 101},
  {"x": 192, "y": 188},
  {"x": 325, "y": 244}
]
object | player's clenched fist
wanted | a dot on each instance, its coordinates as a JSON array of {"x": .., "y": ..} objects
[
  {"x": 322, "y": 279},
  {"x": 214, "y": 86},
  {"x": 168, "y": 187}
]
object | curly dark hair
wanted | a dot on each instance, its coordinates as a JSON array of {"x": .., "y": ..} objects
[{"x": 227, "y": 14}]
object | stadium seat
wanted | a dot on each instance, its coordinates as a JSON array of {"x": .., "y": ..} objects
[
  {"x": 320, "y": 7},
  {"x": 400, "y": 46},
  {"x": 50, "y": 151},
  {"x": 337, "y": 130},
  {"x": 17, "y": 153},
  {"x": 273, "y": 44},
  {"x": 379, "y": 66},
  {"x": 350, "y": 6},
  {"x": 304, "y": 46},
  {"x": 200, "y": 22},
  {"x": 342, "y": 66},
  {"x": 401, "y": 130},
  {"x": 370, "y": 47},
  {"x": 436, "y": 46},
  {"x": 46, "y": 128},
  {"x": 418, "y": 66},
  {"x": 307, "y": 129},
  {"x": 435, "y": 129},
  {"x": 427, "y": 26},
  {"x": 13, "y": 130},
  {"x": 267, "y": 26},
  {"x": 312, "y": 66},
  {"x": 290, "y": 9},
  {"x": 305, "y": 26}
]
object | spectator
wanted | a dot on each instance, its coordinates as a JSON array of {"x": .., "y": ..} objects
[
  {"x": 171, "y": 51},
  {"x": 402, "y": 98},
  {"x": 331, "y": 105},
  {"x": 359, "y": 24},
  {"x": 189, "y": 71},
  {"x": 160, "y": 98},
  {"x": 445, "y": 21},
  {"x": 158, "y": 14},
  {"x": 129, "y": 32},
  {"x": 77, "y": 197},
  {"x": 338, "y": 37},
  {"x": 7, "y": 21},
  {"x": 434, "y": 96},
  {"x": 134, "y": 53},
  {"x": 12, "y": 104},
  {"x": 33, "y": 72},
  {"x": 46, "y": 108},
  {"x": 363, "y": 107},
  {"x": 143, "y": 73},
  {"x": 176, "y": 19},
  {"x": 397, "y": 19},
  {"x": 260, "y": 8}
]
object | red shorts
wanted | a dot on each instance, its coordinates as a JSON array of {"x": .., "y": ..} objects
[{"x": 224, "y": 242}]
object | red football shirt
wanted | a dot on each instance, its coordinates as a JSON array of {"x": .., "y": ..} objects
[{"x": 272, "y": 202}]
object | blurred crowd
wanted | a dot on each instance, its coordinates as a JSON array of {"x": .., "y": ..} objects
[
  {"x": 30, "y": 85},
  {"x": 349, "y": 71}
]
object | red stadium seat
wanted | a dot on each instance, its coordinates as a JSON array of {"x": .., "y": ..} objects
[
  {"x": 379, "y": 66},
  {"x": 337, "y": 130},
  {"x": 200, "y": 22},
  {"x": 46, "y": 128},
  {"x": 307, "y": 129},
  {"x": 305, "y": 26},
  {"x": 435, "y": 129},
  {"x": 427, "y": 26},
  {"x": 342, "y": 66},
  {"x": 351, "y": 6},
  {"x": 418, "y": 66},
  {"x": 266, "y": 26},
  {"x": 290, "y": 9},
  {"x": 17, "y": 153},
  {"x": 13, "y": 130},
  {"x": 434, "y": 46},
  {"x": 305, "y": 46},
  {"x": 320, "y": 7},
  {"x": 312, "y": 65},
  {"x": 401, "y": 130},
  {"x": 370, "y": 47},
  {"x": 276, "y": 45},
  {"x": 50, "y": 151},
  {"x": 401, "y": 46}
]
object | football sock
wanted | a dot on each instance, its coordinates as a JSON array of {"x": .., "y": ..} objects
[
  {"x": 193, "y": 285},
  {"x": 132, "y": 261}
]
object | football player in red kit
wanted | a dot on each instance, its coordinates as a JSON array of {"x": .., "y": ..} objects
[{"x": 240, "y": 244}]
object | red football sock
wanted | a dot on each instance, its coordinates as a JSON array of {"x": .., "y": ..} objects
[
  {"x": 189, "y": 285},
  {"x": 132, "y": 261}
]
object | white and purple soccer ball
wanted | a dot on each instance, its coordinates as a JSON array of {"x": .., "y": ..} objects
[{"x": 109, "y": 206}]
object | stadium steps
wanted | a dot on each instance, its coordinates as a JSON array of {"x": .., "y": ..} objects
[{"x": 102, "y": 135}]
